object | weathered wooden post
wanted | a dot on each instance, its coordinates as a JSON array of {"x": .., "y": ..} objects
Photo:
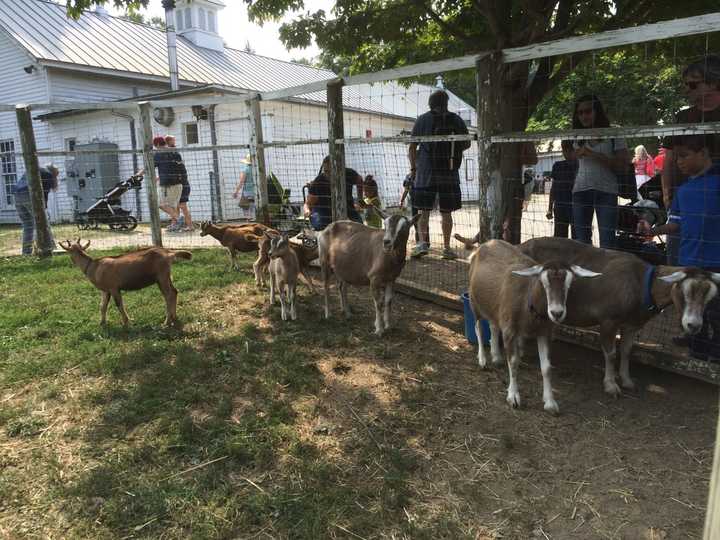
[
  {"x": 257, "y": 153},
  {"x": 337, "y": 151},
  {"x": 43, "y": 236},
  {"x": 149, "y": 162},
  {"x": 489, "y": 84},
  {"x": 712, "y": 513}
]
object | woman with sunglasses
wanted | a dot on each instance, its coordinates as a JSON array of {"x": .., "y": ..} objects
[
  {"x": 596, "y": 186},
  {"x": 701, "y": 84}
]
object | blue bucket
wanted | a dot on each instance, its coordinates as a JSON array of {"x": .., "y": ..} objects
[{"x": 470, "y": 333}]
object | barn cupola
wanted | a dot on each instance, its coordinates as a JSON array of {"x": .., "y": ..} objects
[{"x": 197, "y": 21}]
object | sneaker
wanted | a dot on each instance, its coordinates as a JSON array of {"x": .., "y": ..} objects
[
  {"x": 174, "y": 227},
  {"x": 449, "y": 254},
  {"x": 419, "y": 250}
]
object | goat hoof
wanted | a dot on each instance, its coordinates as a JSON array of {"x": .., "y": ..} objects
[
  {"x": 612, "y": 388},
  {"x": 628, "y": 384},
  {"x": 513, "y": 399},
  {"x": 497, "y": 360},
  {"x": 551, "y": 406}
]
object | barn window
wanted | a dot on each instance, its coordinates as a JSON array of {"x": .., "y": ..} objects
[
  {"x": 212, "y": 21},
  {"x": 8, "y": 170},
  {"x": 203, "y": 19},
  {"x": 191, "y": 133},
  {"x": 70, "y": 144}
]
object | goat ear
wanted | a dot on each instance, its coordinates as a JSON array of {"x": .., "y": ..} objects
[
  {"x": 674, "y": 277},
  {"x": 65, "y": 247},
  {"x": 715, "y": 276},
  {"x": 579, "y": 271},
  {"x": 532, "y": 271},
  {"x": 469, "y": 243}
]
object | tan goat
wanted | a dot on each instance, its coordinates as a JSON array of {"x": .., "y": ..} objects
[
  {"x": 243, "y": 238},
  {"x": 519, "y": 298},
  {"x": 629, "y": 294},
  {"x": 128, "y": 272},
  {"x": 284, "y": 269},
  {"x": 360, "y": 255},
  {"x": 305, "y": 256}
]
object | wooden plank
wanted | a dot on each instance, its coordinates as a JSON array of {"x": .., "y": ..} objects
[
  {"x": 712, "y": 514},
  {"x": 415, "y": 70},
  {"x": 676, "y": 28},
  {"x": 257, "y": 153},
  {"x": 43, "y": 236},
  {"x": 609, "y": 133},
  {"x": 318, "y": 86},
  {"x": 337, "y": 151},
  {"x": 149, "y": 161}
]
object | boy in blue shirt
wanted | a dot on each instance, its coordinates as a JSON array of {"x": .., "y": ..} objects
[{"x": 695, "y": 214}]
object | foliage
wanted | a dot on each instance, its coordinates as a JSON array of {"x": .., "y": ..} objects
[
  {"x": 76, "y": 7},
  {"x": 138, "y": 17}
]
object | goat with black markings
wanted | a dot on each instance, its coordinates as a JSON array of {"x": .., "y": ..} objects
[
  {"x": 519, "y": 298},
  {"x": 360, "y": 255},
  {"x": 129, "y": 272}
]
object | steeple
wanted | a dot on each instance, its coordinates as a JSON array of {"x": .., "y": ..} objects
[{"x": 197, "y": 21}]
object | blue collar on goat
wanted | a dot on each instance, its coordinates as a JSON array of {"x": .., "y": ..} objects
[{"x": 648, "y": 279}]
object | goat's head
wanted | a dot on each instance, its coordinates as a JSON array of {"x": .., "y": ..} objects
[
  {"x": 278, "y": 245},
  {"x": 77, "y": 247},
  {"x": 556, "y": 278},
  {"x": 204, "y": 226},
  {"x": 397, "y": 229},
  {"x": 692, "y": 290}
]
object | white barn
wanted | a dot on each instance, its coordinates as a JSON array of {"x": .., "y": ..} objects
[{"x": 48, "y": 58}]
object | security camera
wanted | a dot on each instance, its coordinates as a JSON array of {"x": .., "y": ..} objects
[{"x": 29, "y": 69}]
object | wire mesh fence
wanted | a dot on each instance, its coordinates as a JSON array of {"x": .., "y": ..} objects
[{"x": 242, "y": 156}]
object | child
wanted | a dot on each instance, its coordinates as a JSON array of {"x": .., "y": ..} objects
[
  {"x": 695, "y": 214},
  {"x": 371, "y": 198},
  {"x": 560, "y": 204}
]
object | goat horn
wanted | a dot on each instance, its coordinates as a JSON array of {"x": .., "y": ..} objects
[
  {"x": 579, "y": 271},
  {"x": 532, "y": 271},
  {"x": 715, "y": 276},
  {"x": 87, "y": 245},
  {"x": 674, "y": 277}
]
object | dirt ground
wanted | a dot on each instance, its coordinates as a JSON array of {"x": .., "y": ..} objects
[{"x": 631, "y": 468}]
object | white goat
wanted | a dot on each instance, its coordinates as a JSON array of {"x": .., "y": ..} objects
[
  {"x": 284, "y": 270},
  {"x": 360, "y": 255},
  {"x": 519, "y": 298},
  {"x": 629, "y": 294}
]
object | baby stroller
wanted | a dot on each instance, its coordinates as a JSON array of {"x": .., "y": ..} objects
[
  {"x": 107, "y": 210},
  {"x": 649, "y": 208},
  {"x": 284, "y": 216}
]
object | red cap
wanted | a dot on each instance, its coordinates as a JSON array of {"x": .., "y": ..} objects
[{"x": 159, "y": 141}]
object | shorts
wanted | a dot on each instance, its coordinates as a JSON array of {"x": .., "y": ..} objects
[
  {"x": 170, "y": 195},
  {"x": 446, "y": 192},
  {"x": 185, "y": 194}
]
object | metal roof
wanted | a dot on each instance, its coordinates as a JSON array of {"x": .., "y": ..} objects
[{"x": 101, "y": 42}]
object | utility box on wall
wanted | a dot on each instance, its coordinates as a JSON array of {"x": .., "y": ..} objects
[{"x": 90, "y": 176}]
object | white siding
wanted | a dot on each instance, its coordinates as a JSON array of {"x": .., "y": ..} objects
[
  {"x": 16, "y": 87},
  {"x": 79, "y": 86}
]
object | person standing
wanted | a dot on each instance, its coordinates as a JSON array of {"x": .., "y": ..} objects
[
  {"x": 434, "y": 166},
  {"x": 169, "y": 179},
  {"x": 644, "y": 166},
  {"x": 595, "y": 191},
  {"x": 245, "y": 189},
  {"x": 21, "y": 191},
  {"x": 560, "y": 203},
  {"x": 185, "y": 221},
  {"x": 701, "y": 81}
]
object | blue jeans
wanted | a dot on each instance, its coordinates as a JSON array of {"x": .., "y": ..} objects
[
  {"x": 24, "y": 210},
  {"x": 319, "y": 221},
  {"x": 604, "y": 205}
]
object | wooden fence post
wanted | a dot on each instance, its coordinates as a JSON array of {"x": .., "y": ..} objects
[
  {"x": 712, "y": 512},
  {"x": 257, "y": 153},
  {"x": 337, "y": 151},
  {"x": 149, "y": 162},
  {"x": 43, "y": 235},
  {"x": 489, "y": 84}
]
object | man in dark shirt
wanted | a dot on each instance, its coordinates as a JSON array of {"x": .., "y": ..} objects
[
  {"x": 702, "y": 86},
  {"x": 318, "y": 204},
  {"x": 560, "y": 204},
  {"x": 435, "y": 166},
  {"x": 21, "y": 192}
]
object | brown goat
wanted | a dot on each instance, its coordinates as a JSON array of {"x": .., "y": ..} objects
[
  {"x": 128, "y": 272},
  {"x": 305, "y": 255},
  {"x": 239, "y": 239}
]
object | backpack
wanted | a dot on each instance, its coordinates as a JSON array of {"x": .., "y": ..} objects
[
  {"x": 446, "y": 155},
  {"x": 627, "y": 185}
]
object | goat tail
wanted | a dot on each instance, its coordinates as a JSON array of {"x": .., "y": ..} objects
[{"x": 180, "y": 254}]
